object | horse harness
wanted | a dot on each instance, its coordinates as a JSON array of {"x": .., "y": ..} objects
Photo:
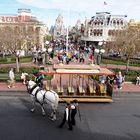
[
  {"x": 31, "y": 90},
  {"x": 39, "y": 89}
]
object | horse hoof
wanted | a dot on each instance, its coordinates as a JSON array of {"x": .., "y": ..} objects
[
  {"x": 32, "y": 110},
  {"x": 43, "y": 114},
  {"x": 53, "y": 119}
]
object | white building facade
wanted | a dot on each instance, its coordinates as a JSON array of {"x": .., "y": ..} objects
[{"x": 103, "y": 26}]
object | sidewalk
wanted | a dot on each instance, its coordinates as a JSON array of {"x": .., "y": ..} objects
[
  {"x": 19, "y": 87},
  {"x": 127, "y": 87}
]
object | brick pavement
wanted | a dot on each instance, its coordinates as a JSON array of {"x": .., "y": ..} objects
[
  {"x": 128, "y": 87},
  {"x": 18, "y": 87}
]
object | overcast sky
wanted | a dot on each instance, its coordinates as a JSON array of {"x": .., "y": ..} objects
[{"x": 48, "y": 10}]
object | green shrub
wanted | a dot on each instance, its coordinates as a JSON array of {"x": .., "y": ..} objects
[
  {"x": 120, "y": 61},
  {"x": 12, "y": 59},
  {"x": 29, "y": 70},
  {"x": 48, "y": 77},
  {"x": 114, "y": 62},
  {"x": 4, "y": 77},
  {"x": 4, "y": 70},
  {"x": 4, "y": 73},
  {"x": 21, "y": 70},
  {"x": 25, "y": 59}
]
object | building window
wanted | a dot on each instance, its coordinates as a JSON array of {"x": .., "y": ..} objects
[
  {"x": 101, "y": 32},
  {"x": 121, "y": 22},
  {"x": 118, "y": 22},
  {"x": 114, "y": 22},
  {"x": 98, "y": 32},
  {"x": 91, "y": 32}
]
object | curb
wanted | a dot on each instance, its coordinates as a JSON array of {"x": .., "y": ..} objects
[
  {"x": 13, "y": 93},
  {"x": 25, "y": 94},
  {"x": 126, "y": 92}
]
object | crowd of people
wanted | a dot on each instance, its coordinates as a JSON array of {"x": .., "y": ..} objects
[
  {"x": 75, "y": 53},
  {"x": 38, "y": 55}
]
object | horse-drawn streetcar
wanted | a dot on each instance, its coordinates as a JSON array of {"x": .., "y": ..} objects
[{"x": 86, "y": 83}]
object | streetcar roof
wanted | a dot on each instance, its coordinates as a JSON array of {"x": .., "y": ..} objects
[{"x": 78, "y": 69}]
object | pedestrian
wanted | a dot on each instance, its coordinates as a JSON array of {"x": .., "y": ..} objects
[
  {"x": 81, "y": 58},
  {"x": 35, "y": 55},
  {"x": 74, "y": 107},
  {"x": 11, "y": 80},
  {"x": 39, "y": 58},
  {"x": 67, "y": 117},
  {"x": 76, "y": 56},
  {"x": 138, "y": 80},
  {"x": 119, "y": 80},
  {"x": 110, "y": 79}
]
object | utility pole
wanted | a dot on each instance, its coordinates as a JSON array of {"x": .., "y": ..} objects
[{"x": 67, "y": 40}]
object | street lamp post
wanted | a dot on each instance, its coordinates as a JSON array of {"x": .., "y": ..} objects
[
  {"x": 99, "y": 51},
  {"x": 67, "y": 40},
  {"x": 46, "y": 53}
]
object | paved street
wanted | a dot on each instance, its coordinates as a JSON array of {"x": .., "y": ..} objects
[{"x": 119, "y": 120}]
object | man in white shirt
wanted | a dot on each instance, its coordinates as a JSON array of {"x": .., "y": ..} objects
[
  {"x": 67, "y": 117},
  {"x": 11, "y": 78}
]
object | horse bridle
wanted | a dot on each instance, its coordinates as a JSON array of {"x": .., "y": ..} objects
[{"x": 31, "y": 90}]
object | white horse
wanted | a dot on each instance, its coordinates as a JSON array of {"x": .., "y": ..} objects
[{"x": 42, "y": 96}]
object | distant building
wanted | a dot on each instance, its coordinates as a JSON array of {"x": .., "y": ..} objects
[
  {"x": 59, "y": 30},
  {"x": 75, "y": 32},
  {"x": 78, "y": 24},
  {"x": 33, "y": 29},
  {"x": 102, "y": 27}
]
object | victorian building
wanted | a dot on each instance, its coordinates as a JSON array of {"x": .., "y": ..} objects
[
  {"x": 102, "y": 27},
  {"x": 32, "y": 29}
]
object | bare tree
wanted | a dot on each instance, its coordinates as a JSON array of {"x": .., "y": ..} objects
[
  {"x": 127, "y": 42},
  {"x": 108, "y": 47},
  {"x": 13, "y": 40}
]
